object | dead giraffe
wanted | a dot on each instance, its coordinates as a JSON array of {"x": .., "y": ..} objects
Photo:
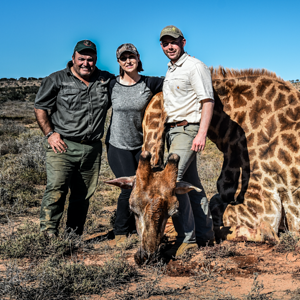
[{"x": 256, "y": 124}]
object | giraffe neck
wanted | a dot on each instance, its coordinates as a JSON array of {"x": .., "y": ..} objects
[{"x": 154, "y": 130}]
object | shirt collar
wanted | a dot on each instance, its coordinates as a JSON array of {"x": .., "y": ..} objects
[
  {"x": 179, "y": 62},
  {"x": 69, "y": 65}
]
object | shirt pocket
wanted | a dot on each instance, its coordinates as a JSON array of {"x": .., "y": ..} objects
[
  {"x": 177, "y": 86},
  {"x": 101, "y": 96},
  {"x": 70, "y": 98}
]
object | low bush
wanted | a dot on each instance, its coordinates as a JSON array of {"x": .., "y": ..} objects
[
  {"x": 64, "y": 279},
  {"x": 288, "y": 242},
  {"x": 28, "y": 242}
]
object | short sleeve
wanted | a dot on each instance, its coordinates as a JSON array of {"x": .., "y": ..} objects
[
  {"x": 155, "y": 84},
  {"x": 201, "y": 82},
  {"x": 47, "y": 94}
]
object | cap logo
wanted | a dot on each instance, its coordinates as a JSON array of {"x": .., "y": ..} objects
[
  {"x": 87, "y": 43},
  {"x": 174, "y": 29}
]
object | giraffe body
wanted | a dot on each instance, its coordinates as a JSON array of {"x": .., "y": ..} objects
[{"x": 256, "y": 124}]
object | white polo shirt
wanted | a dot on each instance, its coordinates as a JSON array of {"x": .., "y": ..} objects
[{"x": 187, "y": 82}]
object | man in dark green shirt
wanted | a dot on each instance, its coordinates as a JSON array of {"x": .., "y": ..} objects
[{"x": 77, "y": 98}]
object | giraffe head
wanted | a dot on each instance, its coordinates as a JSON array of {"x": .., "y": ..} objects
[{"x": 152, "y": 201}]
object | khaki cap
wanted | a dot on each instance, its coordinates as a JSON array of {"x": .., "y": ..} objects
[
  {"x": 171, "y": 30},
  {"x": 126, "y": 48}
]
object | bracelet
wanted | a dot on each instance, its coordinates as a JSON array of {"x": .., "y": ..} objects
[{"x": 49, "y": 134}]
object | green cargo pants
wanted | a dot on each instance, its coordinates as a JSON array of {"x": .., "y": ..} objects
[{"x": 78, "y": 169}]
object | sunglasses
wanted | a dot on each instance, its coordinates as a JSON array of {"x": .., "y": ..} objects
[
  {"x": 165, "y": 44},
  {"x": 130, "y": 57}
]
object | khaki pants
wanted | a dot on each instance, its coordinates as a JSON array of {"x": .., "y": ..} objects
[
  {"x": 193, "y": 221},
  {"x": 78, "y": 169}
]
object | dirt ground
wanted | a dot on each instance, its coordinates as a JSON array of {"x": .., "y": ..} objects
[
  {"x": 225, "y": 271},
  {"x": 229, "y": 270}
]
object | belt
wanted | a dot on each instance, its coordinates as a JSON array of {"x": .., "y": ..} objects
[
  {"x": 180, "y": 123},
  {"x": 85, "y": 142}
]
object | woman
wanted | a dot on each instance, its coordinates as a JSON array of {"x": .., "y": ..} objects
[{"x": 130, "y": 93}]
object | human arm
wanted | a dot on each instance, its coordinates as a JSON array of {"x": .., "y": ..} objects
[
  {"x": 206, "y": 115},
  {"x": 46, "y": 99},
  {"x": 200, "y": 78},
  {"x": 55, "y": 141}
]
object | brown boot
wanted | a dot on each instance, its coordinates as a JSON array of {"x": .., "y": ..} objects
[
  {"x": 180, "y": 248},
  {"x": 120, "y": 240}
]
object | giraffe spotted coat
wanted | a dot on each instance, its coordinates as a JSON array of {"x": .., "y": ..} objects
[{"x": 256, "y": 124}]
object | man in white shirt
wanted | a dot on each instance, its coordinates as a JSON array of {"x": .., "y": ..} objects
[{"x": 189, "y": 102}]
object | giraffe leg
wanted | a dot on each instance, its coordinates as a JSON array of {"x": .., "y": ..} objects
[
  {"x": 264, "y": 232},
  {"x": 242, "y": 224}
]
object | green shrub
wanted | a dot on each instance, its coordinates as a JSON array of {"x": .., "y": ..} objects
[
  {"x": 28, "y": 242},
  {"x": 288, "y": 242},
  {"x": 64, "y": 279}
]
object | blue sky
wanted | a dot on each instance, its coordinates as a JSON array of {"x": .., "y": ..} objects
[{"x": 38, "y": 37}]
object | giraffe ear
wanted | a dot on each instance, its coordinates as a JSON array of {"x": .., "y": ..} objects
[
  {"x": 122, "y": 182},
  {"x": 183, "y": 187}
]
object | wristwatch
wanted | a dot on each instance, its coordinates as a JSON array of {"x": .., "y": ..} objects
[{"x": 49, "y": 134}]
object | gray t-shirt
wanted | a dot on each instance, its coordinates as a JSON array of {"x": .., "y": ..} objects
[{"x": 128, "y": 107}]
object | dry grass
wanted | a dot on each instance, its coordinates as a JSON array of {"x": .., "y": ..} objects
[{"x": 40, "y": 268}]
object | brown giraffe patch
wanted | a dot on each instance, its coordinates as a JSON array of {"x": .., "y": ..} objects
[
  {"x": 284, "y": 88},
  {"x": 296, "y": 197},
  {"x": 230, "y": 83},
  {"x": 154, "y": 115},
  {"x": 292, "y": 100},
  {"x": 251, "y": 79},
  {"x": 250, "y": 140},
  {"x": 242, "y": 94},
  {"x": 271, "y": 127},
  {"x": 153, "y": 125},
  {"x": 252, "y": 153},
  {"x": 279, "y": 102},
  {"x": 258, "y": 111},
  {"x": 156, "y": 105},
  {"x": 294, "y": 210},
  {"x": 271, "y": 94},
  {"x": 268, "y": 183},
  {"x": 295, "y": 175},
  {"x": 290, "y": 141},
  {"x": 281, "y": 177},
  {"x": 285, "y": 124},
  {"x": 268, "y": 151},
  {"x": 149, "y": 135},
  {"x": 262, "y": 87},
  {"x": 240, "y": 117},
  {"x": 293, "y": 114},
  {"x": 262, "y": 138},
  {"x": 285, "y": 157}
]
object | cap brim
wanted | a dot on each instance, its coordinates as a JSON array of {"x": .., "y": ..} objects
[
  {"x": 131, "y": 51},
  {"x": 86, "y": 48},
  {"x": 174, "y": 35}
]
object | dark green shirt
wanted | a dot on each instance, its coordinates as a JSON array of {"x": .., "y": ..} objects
[{"x": 77, "y": 111}]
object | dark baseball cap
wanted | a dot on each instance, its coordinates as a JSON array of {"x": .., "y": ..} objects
[
  {"x": 126, "y": 48},
  {"x": 85, "y": 45},
  {"x": 171, "y": 30}
]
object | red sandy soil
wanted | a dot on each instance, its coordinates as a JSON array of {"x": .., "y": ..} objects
[{"x": 226, "y": 271}]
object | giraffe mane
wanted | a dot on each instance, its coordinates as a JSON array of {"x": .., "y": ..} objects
[{"x": 226, "y": 73}]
